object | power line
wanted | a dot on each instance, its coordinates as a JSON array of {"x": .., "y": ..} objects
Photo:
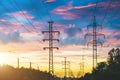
[
  {"x": 50, "y": 16},
  {"x": 46, "y": 9},
  {"x": 66, "y": 66},
  {"x": 40, "y": 17},
  {"x": 81, "y": 66},
  {"x": 94, "y": 10},
  {"x": 23, "y": 14},
  {"x": 5, "y": 8},
  {"x": 108, "y": 6}
]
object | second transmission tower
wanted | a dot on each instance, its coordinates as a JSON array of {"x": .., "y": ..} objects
[
  {"x": 81, "y": 67},
  {"x": 94, "y": 41},
  {"x": 51, "y": 47},
  {"x": 66, "y": 64}
]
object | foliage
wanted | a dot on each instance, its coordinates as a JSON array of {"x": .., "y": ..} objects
[{"x": 109, "y": 70}]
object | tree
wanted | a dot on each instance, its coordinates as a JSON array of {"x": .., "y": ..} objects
[
  {"x": 109, "y": 70},
  {"x": 99, "y": 72}
]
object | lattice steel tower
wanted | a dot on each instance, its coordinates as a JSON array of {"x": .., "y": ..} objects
[
  {"x": 95, "y": 33},
  {"x": 66, "y": 67},
  {"x": 51, "y": 47},
  {"x": 81, "y": 67}
]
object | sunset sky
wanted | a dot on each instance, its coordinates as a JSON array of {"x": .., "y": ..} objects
[{"x": 21, "y": 23}]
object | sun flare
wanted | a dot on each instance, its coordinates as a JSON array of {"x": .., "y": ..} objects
[{"x": 1, "y": 59}]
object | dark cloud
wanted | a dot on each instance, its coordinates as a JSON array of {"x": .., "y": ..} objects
[
  {"x": 73, "y": 40},
  {"x": 72, "y": 31},
  {"x": 118, "y": 45},
  {"x": 11, "y": 37},
  {"x": 117, "y": 36}
]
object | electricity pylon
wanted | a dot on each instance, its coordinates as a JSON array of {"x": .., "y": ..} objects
[
  {"x": 31, "y": 63},
  {"x": 18, "y": 62},
  {"x": 51, "y": 47},
  {"x": 69, "y": 69},
  {"x": 95, "y": 42},
  {"x": 66, "y": 66},
  {"x": 81, "y": 66}
]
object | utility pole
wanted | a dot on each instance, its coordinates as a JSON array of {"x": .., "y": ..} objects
[
  {"x": 51, "y": 47},
  {"x": 18, "y": 62},
  {"x": 81, "y": 66},
  {"x": 30, "y": 65},
  {"x": 66, "y": 65},
  {"x": 37, "y": 67},
  {"x": 69, "y": 68},
  {"x": 94, "y": 42}
]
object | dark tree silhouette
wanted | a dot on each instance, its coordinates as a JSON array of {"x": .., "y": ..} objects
[{"x": 109, "y": 70}]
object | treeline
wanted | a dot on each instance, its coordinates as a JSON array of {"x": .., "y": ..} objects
[
  {"x": 10, "y": 73},
  {"x": 109, "y": 70}
]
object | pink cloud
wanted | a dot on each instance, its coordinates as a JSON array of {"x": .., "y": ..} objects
[
  {"x": 21, "y": 17},
  {"x": 65, "y": 10},
  {"x": 50, "y": 1},
  {"x": 37, "y": 24},
  {"x": 66, "y": 7},
  {"x": 106, "y": 5},
  {"x": 22, "y": 14},
  {"x": 60, "y": 27},
  {"x": 87, "y": 6},
  {"x": 66, "y": 15},
  {"x": 70, "y": 16},
  {"x": 3, "y": 20},
  {"x": 110, "y": 37},
  {"x": 110, "y": 40},
  {"x": 112, "y": 43},
  {"x": 10, "y": 24},
  {"x": 63, "y": 27},
  {"x": 110, "y": 33},
  {"x": 15, "y": 24}
]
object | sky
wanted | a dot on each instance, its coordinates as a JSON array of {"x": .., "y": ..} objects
[{"x": 22, "y": 23}]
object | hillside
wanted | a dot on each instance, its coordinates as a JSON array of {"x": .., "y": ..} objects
[{"x": 10, "y": 73}]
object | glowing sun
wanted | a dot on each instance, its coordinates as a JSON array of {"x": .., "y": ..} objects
[{"x": 1, "y": 59}]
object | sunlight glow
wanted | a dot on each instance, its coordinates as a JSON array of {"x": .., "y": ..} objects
[{"x": 1, "y": 59}]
